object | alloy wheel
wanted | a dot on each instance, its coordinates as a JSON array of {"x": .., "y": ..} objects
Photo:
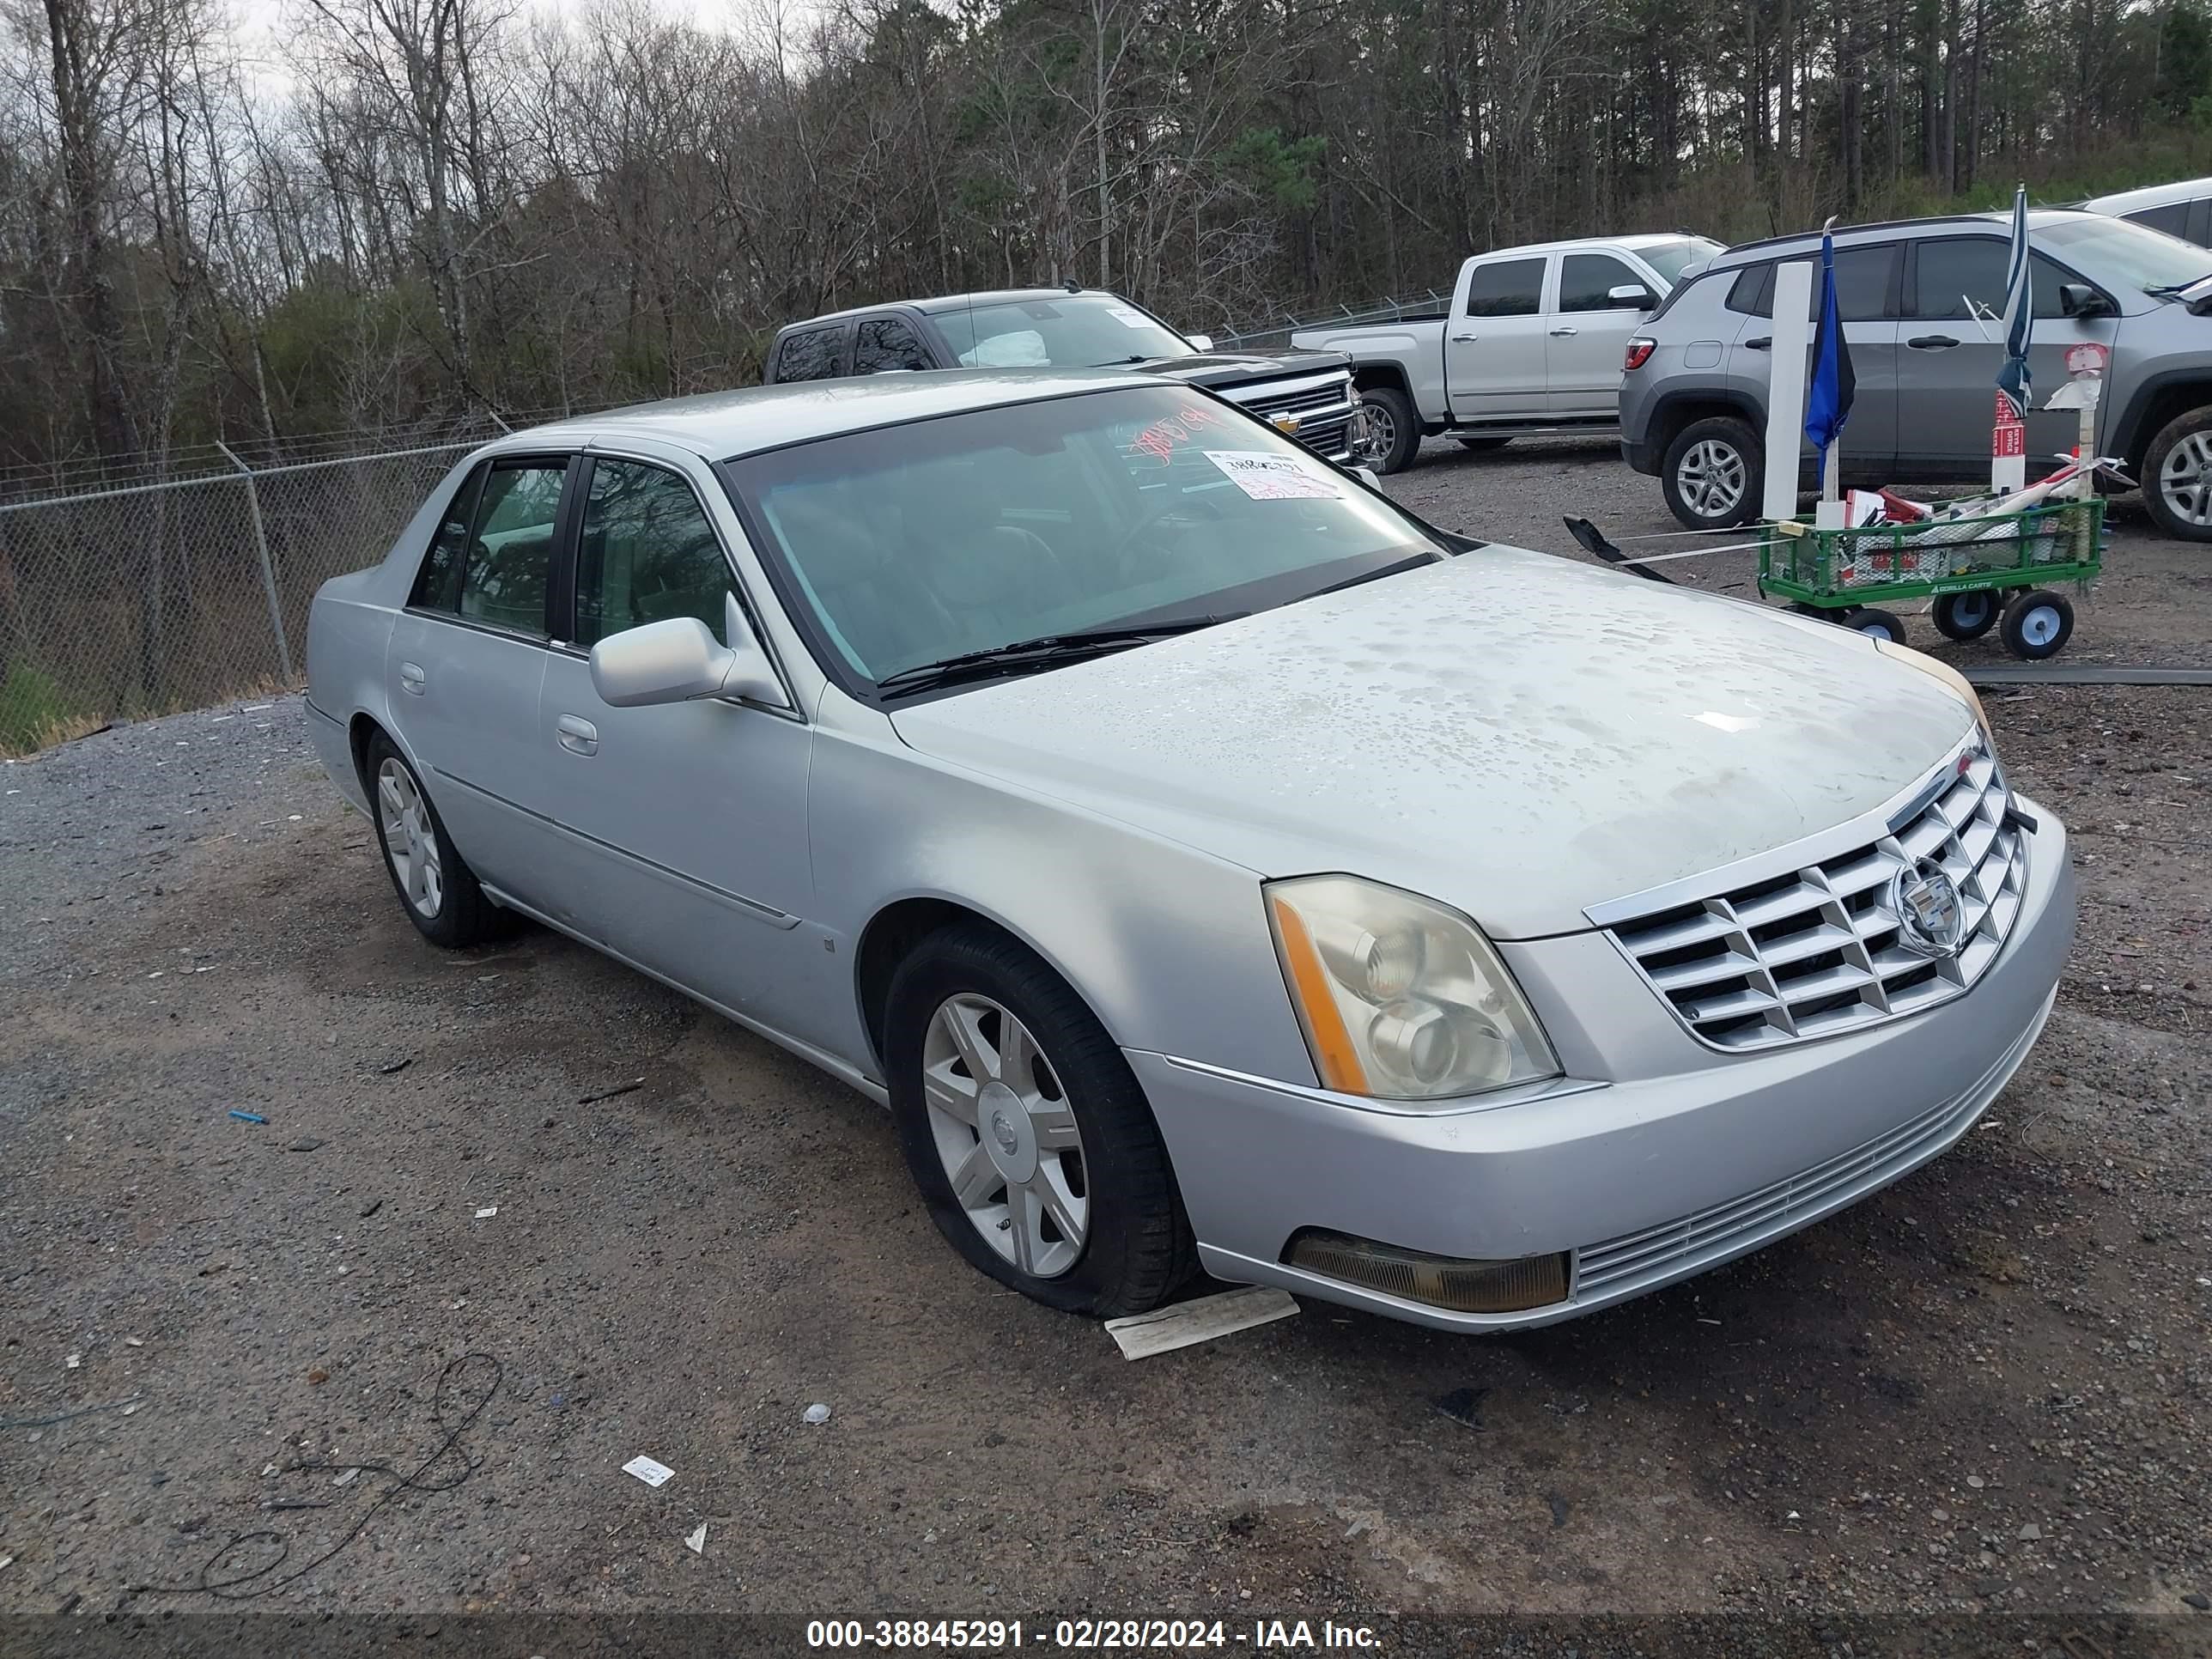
[
  {"x": 2185, "y": 479},
  {"x": 1006, "y": 1135},
  {"x": 1712, "y": 479},
  {"x": 410, "y": 840},
  {"x": 1377, "y": 435}
]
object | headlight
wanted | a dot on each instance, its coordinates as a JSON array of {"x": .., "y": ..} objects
[
  {"x": 1937, "y": 670},
  {"x": 1401, "y": 998}
]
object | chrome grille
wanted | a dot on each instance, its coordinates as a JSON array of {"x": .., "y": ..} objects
[
  {"x": 1650, "y": 1251},
  {"x": 1817, "y": 950},
  {"x": 1329, "y": 395},
  {"x": 1324, "y": 411}
]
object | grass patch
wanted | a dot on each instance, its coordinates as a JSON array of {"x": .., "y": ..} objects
[{"x": 34, "y": 714}]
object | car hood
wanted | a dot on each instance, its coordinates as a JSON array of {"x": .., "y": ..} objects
[
  {"x": 1514, "y": 733},
  {"x": 1217, "y": 369}
]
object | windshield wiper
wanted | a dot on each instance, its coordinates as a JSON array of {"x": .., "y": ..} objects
[
  {"x": 1042, "y": 652},
  {"x": 1397, "y": 567},
  {"x": 2168, "y": 290},
  {"x": 1121, "y": 362}
]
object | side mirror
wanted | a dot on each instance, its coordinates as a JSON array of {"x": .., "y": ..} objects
[
  {"x": 1633, "y": 294},
  {"x": 1200, "y": 342},
  {"x": 2079, "y": 300},
  {"x": 1366, "y": 475},
  {"x": 679, "y": 660}
]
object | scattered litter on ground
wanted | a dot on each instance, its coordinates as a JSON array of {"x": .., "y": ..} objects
[
  {"x": 487, "y": 1213},
  {"x": 129, "y": 1408},
  {"x": 399, "y": 1065},
  {"x": 304, "y": 1144},
  {"x": 346, "y": 1477},
  {"x": 73, "y": 1361},
  {"x": 1462, "y": 1405},
  {"x": 817, "y": 1413},
  {"x": 631, "y": 1087},
  {"x": 6, "y": 1562},
  {"x": 134, "y": 1341},
  {"x": 317, "y": 1376},
  {"x": 1201, "y": 1319},
  {"x": 695, "y": 1540},
  {"x": 645, "y": 1469},
  {"x": 248, "y": 1117},
  {"x": 371, "y": 1208}
]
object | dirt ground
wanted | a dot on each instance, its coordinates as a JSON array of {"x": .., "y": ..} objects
[{"x": 1985, "y": 1393}]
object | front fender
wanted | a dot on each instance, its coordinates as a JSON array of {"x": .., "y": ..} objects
[{"x": 1169, "y": 946}]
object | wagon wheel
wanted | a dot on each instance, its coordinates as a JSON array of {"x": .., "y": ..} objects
[
  {"x": 2038, "y": 624},
  {"x": 1875, "y": 624},
  {"x": 1967, "y": 616}
]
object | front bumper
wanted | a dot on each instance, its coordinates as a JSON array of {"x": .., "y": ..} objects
[{"x": 1657, "y": 1159}]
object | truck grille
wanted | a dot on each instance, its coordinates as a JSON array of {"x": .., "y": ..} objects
[
  {"x": 1324, "y": 409},
  {"x": 1819, "y": 951}
]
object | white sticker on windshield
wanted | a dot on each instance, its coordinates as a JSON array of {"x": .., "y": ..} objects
[
  {"x": 1266, "y": 476},
  {"x": 1129, "y": 317}
]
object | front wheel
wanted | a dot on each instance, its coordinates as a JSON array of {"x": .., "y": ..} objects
[
  {"x": 2038, "y": 624},
  {"x": 1392, "y": 430},
  {"x": 1967, "y": 615},
  {"x": 1712, "y": 474},
  {"x": 2177, "y": 475},
  {"x": 1029, "y": 1136}
]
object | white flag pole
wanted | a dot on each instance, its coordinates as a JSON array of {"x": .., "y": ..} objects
[{"x": 1786, "y": 388}]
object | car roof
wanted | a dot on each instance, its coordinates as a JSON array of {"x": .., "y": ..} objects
[
  {"x": 2127, "y": 201},
  {"x": 1809, "y": 241},
  {"x": 944, "y": 302},
  {"x": 721, "y": 425},
  {"x": 1634, "y": 241}
]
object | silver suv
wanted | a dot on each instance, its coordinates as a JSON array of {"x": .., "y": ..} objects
[{"x": 1920, "y": 301}]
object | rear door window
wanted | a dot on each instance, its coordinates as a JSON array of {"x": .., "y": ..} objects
[
  {"x": 437, "y": 584},
  {"x": 509, "y": 559},
  {"x": 1507, "y": 288},
  {"x": 1864, "y": 284},
  {"x": 887, "y": 342},
  {"x": 812, "y": 353}
]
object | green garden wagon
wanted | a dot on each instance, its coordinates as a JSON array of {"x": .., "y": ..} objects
[{"x": 1977, "y": 571}]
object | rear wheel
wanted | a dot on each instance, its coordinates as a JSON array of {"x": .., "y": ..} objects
[
  {"x": 436, "y": 887},
  {"x": 2177, "y": 477},
  {"x": 1875, "y": 624},
  {"x": 1392, "y": 430},
  {"x": 1967, "y": 615},
  {"x": 1029, "y": 1136},
  {"x": 2038, "y": 624},
  {"x": 1712, "y": 474}
]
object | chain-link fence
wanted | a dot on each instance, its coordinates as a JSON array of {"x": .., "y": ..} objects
[
  {"x": 1264, "y": 335},
  {"x": 151, "y": 598}
]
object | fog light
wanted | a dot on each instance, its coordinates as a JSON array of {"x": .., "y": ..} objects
[{"x": 1435, "y": 1281}]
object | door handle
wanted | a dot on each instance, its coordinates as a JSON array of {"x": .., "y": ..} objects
[
  {"x": 578, "y": 737},
  {"x": 1463, "y": 339},
  {"x": 411, "y": 678},
  {"x": 1764, "y": 343},
  {"x": 1560, "y": 333},
  {"x": 1931, "y": 342}
]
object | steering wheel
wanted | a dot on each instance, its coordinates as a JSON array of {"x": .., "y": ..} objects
[{"x": 1175, "y": 505}]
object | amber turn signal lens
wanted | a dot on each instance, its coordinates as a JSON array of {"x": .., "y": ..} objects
[{"x": 1435, "y": 1281}]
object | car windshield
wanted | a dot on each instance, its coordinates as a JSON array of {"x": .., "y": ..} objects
[
  {"x": 911, "y": 545},
  {"x": 1080, "y": 330},
  {"x": 2115, "y": 250},
  {"x": 1671, "y": 259}
]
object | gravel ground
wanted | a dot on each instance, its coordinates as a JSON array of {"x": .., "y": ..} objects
[{"x": 1986, "y": 1392}]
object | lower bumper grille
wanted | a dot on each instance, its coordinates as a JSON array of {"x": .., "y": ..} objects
[{"x": 1651, "y": 1251}]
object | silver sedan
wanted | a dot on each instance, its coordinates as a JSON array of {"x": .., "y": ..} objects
[{"x": 1208, "y": 862}]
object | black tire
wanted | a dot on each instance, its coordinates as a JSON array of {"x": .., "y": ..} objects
[
  {"x": 1967, "y": 616},
  {"x": 1706, "y": 458},
  {"x": 1484, "y": 445},
  {"x": 462, "y": 916},
  {"x": 1137, "y": 1248},
  {"x": 2181, "y": 506},
  {"x": 1395, "y": 429},
  {"x": 2037, "y": 625},
  {"x": 1878, "y": 624}
]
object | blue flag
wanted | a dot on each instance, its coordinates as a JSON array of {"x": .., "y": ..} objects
[
  {"x": 1828, "y": 400},
  {"x": 2019, "y": 311}
]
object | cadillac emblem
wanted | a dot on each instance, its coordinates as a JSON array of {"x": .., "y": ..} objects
[
  {"x": 1931, "y": 920},
  {"x": 1287, "y": 425}
]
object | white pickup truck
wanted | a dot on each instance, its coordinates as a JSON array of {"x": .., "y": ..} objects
[{"x": 1533, "y": 342}]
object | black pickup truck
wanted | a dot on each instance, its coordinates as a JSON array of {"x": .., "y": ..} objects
[{"x": 1307, "y": 394}]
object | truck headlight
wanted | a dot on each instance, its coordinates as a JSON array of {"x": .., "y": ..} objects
[{"x": 1401, "y": 998}]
